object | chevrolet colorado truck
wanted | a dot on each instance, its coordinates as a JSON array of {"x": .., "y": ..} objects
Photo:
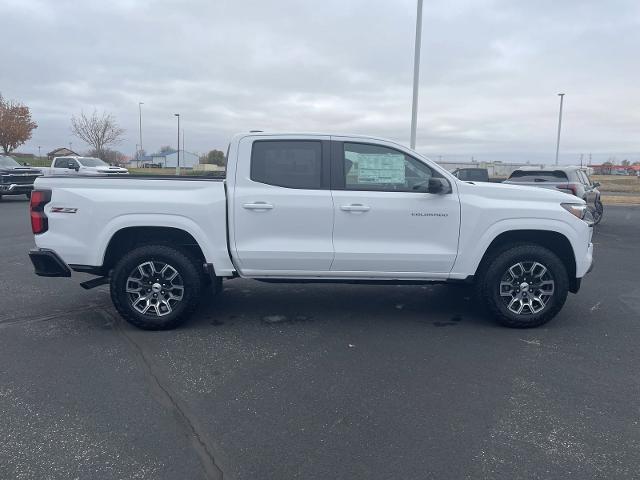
[{"x": 311, "y": 207}]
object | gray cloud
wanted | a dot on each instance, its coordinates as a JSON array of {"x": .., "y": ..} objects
[{"x": 490, "y": 71}]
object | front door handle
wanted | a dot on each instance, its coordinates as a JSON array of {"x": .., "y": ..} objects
[
  {"x": 355, "y": 207},
  {"x": 258, "y": 206}
]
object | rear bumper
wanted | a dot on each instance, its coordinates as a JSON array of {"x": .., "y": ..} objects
[
  {"x": 15, "y": 188},
  {"x": 47, "y": 263}
]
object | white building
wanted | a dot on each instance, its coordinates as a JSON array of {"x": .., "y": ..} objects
[{"x": 170, "y": 159}]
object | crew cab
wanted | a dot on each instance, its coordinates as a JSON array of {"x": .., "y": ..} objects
[
  {"x": 311, "y": 207},
  {"x": 83, "y": 166}
]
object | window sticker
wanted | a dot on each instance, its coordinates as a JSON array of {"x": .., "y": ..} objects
[{"x": 369, "y": 168}]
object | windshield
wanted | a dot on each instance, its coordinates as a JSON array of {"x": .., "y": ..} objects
[
  {"x": 538, "y": 176},
  {"x": 92, "y": 162},
  {"x": 8, "y": 162}
]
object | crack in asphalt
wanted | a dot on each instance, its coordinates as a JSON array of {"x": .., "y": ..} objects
[
  {"x": 9, "y": 320},
  {"x": 165, "y": 397}
]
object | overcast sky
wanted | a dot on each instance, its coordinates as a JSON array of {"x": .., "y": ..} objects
[{"x": 490, "y": 71}]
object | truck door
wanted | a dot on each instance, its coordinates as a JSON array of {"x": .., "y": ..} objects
[
  {"x": 384, "y": 220},
  {"x": 282, "y": 214}
]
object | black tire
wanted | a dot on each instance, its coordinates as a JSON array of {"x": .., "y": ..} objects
[
  {"x": 598, "y": 213},
  {"x": 188, "y": 275},
  {"x": 495, "y": 277}
]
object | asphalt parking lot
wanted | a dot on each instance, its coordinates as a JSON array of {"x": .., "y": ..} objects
[{"x": 320, "y": 381}]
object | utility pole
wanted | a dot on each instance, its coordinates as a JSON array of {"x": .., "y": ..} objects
[
  {"x": 178, "y": 164},
  {"x": 416, "y": 75},
  {"x": 140, "y": 119},
  {"x": 581, "y": 156},
  {"x": 561, "y": 95},
  {"x": 39, "y": 154}
]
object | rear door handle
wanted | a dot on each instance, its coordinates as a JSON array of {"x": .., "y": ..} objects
[
  {"x": 355, "y": 207},
  {"x": 258, "y": 206}
]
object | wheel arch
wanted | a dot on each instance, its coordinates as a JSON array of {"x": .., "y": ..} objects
[
  {"x": 126, "y": 238},
  {"x": 550, "y": 239}
]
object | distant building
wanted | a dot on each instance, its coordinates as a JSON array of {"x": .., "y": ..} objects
[
  {"x": 61, "y": 152},
  {"x": 170, "y": 159}
]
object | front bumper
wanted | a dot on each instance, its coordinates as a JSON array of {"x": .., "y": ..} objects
[
  {"x": 47, "y": 263},
  {"x": 15, "y": 188}
]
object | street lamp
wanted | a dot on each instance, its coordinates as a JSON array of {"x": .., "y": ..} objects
[
  {"x": 178, "y": 164},
  {"x": 140, "y": 119},
  {"x": 561, "y": 95},
  {"x": 416, "y": 75}
]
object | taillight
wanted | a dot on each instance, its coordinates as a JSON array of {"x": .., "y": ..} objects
[
  {"x": 568, "y": 186},
  {"x": 39, "y": 221}
]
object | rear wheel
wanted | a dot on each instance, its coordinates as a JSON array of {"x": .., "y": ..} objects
[
  {"x": 156, "y": 287},
  {"x": 524, "y": 286}
]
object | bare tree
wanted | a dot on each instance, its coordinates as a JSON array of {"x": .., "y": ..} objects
[
  {"x": 97, "y": 130},
  {"x": 16, "y": 126}
]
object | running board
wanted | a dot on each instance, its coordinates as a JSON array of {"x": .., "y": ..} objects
[{"x": 96, "y": 282}]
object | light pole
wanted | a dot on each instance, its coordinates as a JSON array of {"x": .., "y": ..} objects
[
  {"x": 140, "y": 119},
  {"x": 39, "y": 154},
  {"x": 416, "y": 75},
  {"x": 178, "y": 164},
  {"x": 561, "y": 95}
]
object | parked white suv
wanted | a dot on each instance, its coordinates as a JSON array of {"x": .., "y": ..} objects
[
  {"x": 302, "y": 207},
  {"x": 573, "y": 180}
]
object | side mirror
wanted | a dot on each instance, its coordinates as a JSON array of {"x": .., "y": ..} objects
[
  {"x": 439, "y": 186},
  {"x": 26, "y": 164},
  {"x": 595, "y": 184}
]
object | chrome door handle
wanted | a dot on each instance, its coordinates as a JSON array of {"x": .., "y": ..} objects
[
  {"x": 355, "y": 207},
  {"x": 258, "y": 206}
]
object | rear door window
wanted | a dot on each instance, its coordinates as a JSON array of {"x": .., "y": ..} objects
[
  {"x": 287, "y": 163},
  {"x": 538, "y": 176}
]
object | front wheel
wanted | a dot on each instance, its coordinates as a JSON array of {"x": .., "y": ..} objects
[
  {"x": 524, "y": 286},
  {"x": 597, "y": 212},
  {"x": 156, "y": 287}
]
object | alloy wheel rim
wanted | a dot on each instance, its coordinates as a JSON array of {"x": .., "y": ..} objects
[
  {"x": 155, "y": 288},
  {"x": 526, "y": 287}
]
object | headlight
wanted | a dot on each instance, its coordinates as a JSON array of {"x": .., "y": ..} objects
[{"x": 580, "y": 210}]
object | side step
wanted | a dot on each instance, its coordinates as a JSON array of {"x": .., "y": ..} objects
[{"x": 96, "y": 282}]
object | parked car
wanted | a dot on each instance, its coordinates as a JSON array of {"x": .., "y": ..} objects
[
  {"x": 571, "y": 180},
  {"x": 16, "y": 179},
  {"x": 472, "y": 174},
  {"x": 83, "y": 166},
  {"x": 305, "y": 208}
]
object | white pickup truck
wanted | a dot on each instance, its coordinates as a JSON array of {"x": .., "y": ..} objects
[
  {"x": 310, "y": 207},
  {"x": 82, "y": 166}
]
